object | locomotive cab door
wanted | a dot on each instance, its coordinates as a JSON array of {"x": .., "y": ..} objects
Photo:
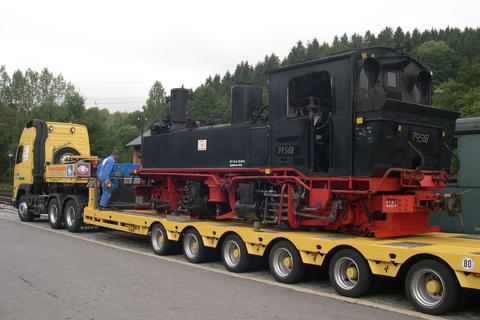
[
  {"x": 259, "y": 142},
  {"x": 311, "y": 96}
]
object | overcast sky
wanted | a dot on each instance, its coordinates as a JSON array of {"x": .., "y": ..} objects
[{"x": 113, "y": 51}]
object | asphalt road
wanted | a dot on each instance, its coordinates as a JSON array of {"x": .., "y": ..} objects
[
  {"x": 46, "y": 275},
  {"x": 105, "y": 274}
]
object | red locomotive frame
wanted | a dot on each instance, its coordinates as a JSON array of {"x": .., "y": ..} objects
[{"x": 395, "y": 204}]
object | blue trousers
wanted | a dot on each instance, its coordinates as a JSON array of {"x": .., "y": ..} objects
[{"x": 106, "y": 194}]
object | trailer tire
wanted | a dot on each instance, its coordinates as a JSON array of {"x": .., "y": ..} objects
[
  {"x": 234, "y": 254},
  {"x": 431, "y": 287},
  {"x": 193, "y": 248},
  {"x": 73, "y": 216},
  {"x": 55, "y": 216},
  {"x": 285, "y": 262},
  {"x": 160, "y": 243},
  {"x": 350, "y": 274},
  {"x": 23, "y": 212}
]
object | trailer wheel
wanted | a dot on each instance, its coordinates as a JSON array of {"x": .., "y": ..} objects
[
  {"x": 73, "y": 217},
  {"x": 234, "y": 254},
  {"x": 160, "y": 243},
  {"x": 23, "y": 212},
  {"x": 431, "y": 287},
  {"x": 193, "y": 247},
  {"x": 285, "y": 262},
  {"x": 55, "y": 217},
  {"x": 350, "y": 274}
]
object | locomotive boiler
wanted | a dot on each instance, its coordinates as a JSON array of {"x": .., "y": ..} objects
[{"x": 348, "y": 143}]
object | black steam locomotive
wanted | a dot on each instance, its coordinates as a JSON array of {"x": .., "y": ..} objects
[{"x": 349, "y": 142}]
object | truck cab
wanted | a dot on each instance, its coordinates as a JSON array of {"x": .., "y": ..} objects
[{"x": 41, "y": 147}]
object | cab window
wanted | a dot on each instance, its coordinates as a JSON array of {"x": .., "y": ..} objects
[
  {"x": 309, "y": 93},
  {"x": 19, "y": 155}
]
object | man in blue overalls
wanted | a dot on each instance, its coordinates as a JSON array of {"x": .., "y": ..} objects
[{"x": 105, "y": 173}]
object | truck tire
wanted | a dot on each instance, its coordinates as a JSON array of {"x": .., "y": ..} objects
[
  {"x": 285, "y": 262},
  {"x": 193, "y": 248},
  {"x": 55, "y": 216},
  {"x": 431, "y": 287},
  {"x": 350, "y": 274},
  {"x": 160, "y": 243},
  {"x": 62, "y": 152},
  {"x": 23, "y": 212},
  {"x": 73, "y": 216},
  {"x": 234, "y": 254}
]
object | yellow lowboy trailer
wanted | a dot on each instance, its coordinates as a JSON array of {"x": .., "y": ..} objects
[{"x": 435, "y": 267}]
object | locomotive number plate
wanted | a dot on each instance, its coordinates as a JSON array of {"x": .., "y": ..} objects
[
  {"x": 420, "y": 137},
  {"x": 286, "y": 150}
]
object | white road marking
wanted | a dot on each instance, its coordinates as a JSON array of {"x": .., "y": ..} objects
[{"x": 361, "y": 302}]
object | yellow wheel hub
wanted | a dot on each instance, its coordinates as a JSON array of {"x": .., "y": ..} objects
[
  {"x": 434, "y": 286},
  {"x": 194, "y": 246},
  {"x": 236, "y": 253},
  {"x": 352, "y": 273},
  {"x": 287, "y": 261}
]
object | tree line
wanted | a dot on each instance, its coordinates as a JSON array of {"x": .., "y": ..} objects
[{"x": 452, "y": 54}]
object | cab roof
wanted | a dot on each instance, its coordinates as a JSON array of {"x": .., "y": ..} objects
[{"x": 377, "y": 51}]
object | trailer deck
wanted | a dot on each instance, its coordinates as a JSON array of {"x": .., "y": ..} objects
[{"x": 385, "y": 256}]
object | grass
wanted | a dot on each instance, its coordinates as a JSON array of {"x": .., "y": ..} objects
[{"x": 5, "y": 186}]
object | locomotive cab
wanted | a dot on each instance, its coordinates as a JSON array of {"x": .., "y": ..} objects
[
  {"x": 394, "y": 124},
  {"x": 358, "y": 114}
]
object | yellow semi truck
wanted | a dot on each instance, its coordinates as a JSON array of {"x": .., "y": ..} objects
[{"x": 52, "y": 167}]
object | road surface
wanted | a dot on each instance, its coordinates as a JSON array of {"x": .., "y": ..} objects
[{"x": 49, "y": 274}]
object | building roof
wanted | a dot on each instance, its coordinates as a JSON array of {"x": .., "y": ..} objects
[
  {"x": 137, "y": 141},
  {"x": 467, "y": 125}
]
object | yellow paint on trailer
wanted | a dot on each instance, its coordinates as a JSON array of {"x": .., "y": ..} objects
[{"x": 385, "y": 256}]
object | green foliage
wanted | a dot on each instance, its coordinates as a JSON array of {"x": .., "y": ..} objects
[
  {"x": 449, "y": 95},
  {"x": 101, "y": 141},
  {"x": 155, "y": 108},
  {"x": 469, "y": 73},
  {"x": 462, "y": 94},
  {"x": 443, "y": 60},
  {"x": 74, "y": 105},
  {"x": 7, "y": 186},
  {"x": 208, "y": 107},
  {"x": 6, "y": 138}
]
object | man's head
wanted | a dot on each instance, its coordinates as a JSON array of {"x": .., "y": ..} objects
[{"x": 116, "y": 154}]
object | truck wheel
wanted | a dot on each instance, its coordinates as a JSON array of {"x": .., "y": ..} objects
[
  {"x": 285, "y": 262},
  {"x": 193, "y": 247},
  {"x": 160, "y": 243},
  {"x": 234, "y": 254},
  {"x": 23, "y": 212},
  {"x": 55, "y": 217},
  {"x": 431, "y": 287},
  {"x": 73, "y": 217},
  {"x": 350, "y": 274}
]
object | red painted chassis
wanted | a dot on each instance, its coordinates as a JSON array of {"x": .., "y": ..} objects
[{"x": 396, "y": 204}]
